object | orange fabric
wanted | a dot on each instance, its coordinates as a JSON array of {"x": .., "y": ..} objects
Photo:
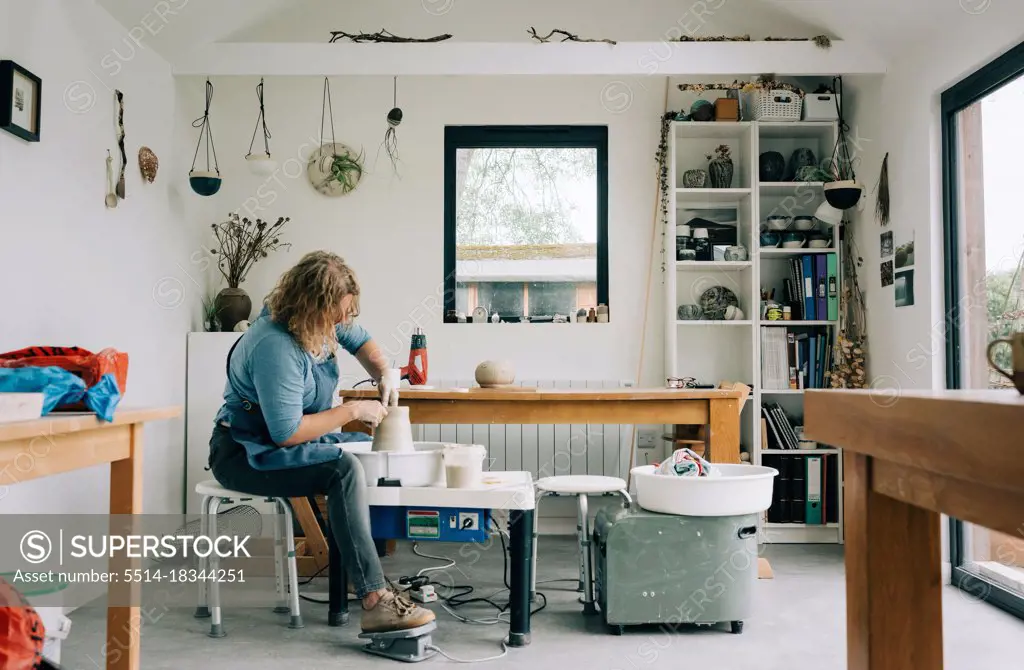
[
  {"x": 21, "y": 631},
  {"x": 81, "y": 362}
]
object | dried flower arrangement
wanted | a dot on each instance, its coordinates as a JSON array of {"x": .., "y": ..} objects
[
  {"x": 765, "y": 82},
  {"x": 242, "y": 242}
]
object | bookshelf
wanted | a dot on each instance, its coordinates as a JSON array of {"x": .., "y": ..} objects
[{"x": 715, "y": 351}]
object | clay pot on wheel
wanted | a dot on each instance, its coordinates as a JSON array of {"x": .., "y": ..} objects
[{"x": 232, "y": 305}]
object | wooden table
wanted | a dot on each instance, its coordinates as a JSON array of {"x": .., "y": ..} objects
[
  {"x": 719, "y": 408},
  {"x": 907, "y": 459},
  {"x": 62, "y": 443}
]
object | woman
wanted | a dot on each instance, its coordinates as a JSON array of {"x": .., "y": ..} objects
[{"x": 275, "y": 434}]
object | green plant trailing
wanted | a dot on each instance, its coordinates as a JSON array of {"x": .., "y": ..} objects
[{"x": 343, "y": 167}]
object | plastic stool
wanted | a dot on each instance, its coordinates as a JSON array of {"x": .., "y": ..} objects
[
  {"x": 285, "y": 567},
  {"x": 579, "y": 486}
]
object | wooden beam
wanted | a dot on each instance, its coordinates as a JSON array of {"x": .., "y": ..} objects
[{"x": 727, "y": 59}]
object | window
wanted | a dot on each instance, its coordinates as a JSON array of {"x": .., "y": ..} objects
[
  {"x": 526, "y": 220},
  {"x": 984, "y": 260}
]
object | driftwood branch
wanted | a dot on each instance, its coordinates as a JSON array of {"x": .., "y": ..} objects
[
  {"x": 566, "y": 37},
  {"x": 383, "y": 36}
]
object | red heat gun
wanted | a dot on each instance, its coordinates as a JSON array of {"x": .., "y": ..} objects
[{"x": 416, "y": 371}]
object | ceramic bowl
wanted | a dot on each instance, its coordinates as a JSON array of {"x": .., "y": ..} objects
[
  {"x": 818, "y": 243},
  {"x": 770, "y": 239},
  {"x": 686, "y": 254},
  {"x": 689, "y": 312},
  {"x": 261, "y": 164},
  {"x": 795, "y": 244},
  {"x": 737, "y": 253},
  {"x": 803, "y": 222},
  {"x": 694, "y": 178},
  {"x": 843, "y": 194},
  {"x": 778, "y": 222}
]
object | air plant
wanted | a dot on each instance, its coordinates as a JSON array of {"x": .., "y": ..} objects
[
  {"x": 344, "y": 168},
  {"x": 394, "y": 118}
]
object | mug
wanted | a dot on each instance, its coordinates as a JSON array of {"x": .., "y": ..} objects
[
  {"x": 1016, "y": 342},
  {"x": 793, "y": 240}
]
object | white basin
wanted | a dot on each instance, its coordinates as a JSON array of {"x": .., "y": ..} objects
[
  {"x": 422, "y": 467},
  {"x": 739, "y": 489}
]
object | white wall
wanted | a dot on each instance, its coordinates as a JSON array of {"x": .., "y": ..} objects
[
  {"x": 73, "y": 272},
  {"x": 391, "y": 229},
  {"x": 907, "y": 344}
]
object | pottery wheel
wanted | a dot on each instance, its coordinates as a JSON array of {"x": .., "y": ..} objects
[{"x": 716, "y": 300}]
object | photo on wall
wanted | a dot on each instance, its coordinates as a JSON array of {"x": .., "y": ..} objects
[
  {"x": 886, "y": 273},
  {"x": 905, "y": 251},
  {"x": 886, "y": 246},
  {"x": 904, "y": 288}
]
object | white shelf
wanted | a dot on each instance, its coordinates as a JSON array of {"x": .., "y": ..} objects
[
  {"x": 782, "y": 391},
  {"x": 795, "y": 129},
  {"x": 714, "y": 322},
  {"x": 801, "y": 525},
  {"x": 689, "y": 196},
  {"x": 788, "y": 187},
  {"x": 799, "y": 452},
  {"x": 711, "y": 129},
  {"x": 768, "y": 252},
  {"x": 779, "y": 324},
  {"x": 713, "y": 266}
]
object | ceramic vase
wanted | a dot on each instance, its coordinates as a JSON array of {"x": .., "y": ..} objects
[
  {"x": 395, "y": 432},
  {"x": 720, "y": 172},
  {"x": 694, "y": 178},
  {"x": 496, "y": 373},
  {"x": 771, "y": 166},
  {"x": 232, "y": 305},
  {"x": 800, "y": 159}
]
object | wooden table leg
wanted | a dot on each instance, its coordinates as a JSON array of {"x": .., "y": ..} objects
[
  {"x": 724, "y": 440},
  {"x": 123, "y": 613},
  {"x": 893, "y": 577}
]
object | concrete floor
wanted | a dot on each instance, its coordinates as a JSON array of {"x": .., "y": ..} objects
[{"x": 798, "y": 621}]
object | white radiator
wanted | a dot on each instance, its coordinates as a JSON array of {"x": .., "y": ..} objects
[{"x": 543, "y": 450}]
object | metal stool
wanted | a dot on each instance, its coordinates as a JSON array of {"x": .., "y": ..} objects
[
  {"x": 284, "y": 556},
  {"x": 579, "y": 486}
]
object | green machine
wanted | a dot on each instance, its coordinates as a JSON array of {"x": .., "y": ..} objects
[{"x": 672, "y": 570}]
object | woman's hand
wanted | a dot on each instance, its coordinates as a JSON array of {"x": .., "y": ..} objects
[{"x": 370, "y": 412}]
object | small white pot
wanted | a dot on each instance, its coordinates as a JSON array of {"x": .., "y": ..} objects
[{"x": 261, "y": 164}]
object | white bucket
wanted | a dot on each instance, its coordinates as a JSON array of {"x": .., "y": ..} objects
[
  {"x": 421, "y": 467},
  {"x": 739, "y": 489},
  {"x": 464, "y": 465}
]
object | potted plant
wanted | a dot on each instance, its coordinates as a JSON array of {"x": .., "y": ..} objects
[
  {"x": 242, "y": 242},
  {"x": 339, "y": 169},
  {"x": 720, "y": 167}
]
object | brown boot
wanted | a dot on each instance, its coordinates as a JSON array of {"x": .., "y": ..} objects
[{"x": 393, "y": 612}]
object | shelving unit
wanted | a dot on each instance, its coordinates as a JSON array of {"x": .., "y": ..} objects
[{"x": 714, "y": 351}]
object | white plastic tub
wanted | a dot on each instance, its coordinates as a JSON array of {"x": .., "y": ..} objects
[
  {"x": 464, "y": 465},
  {"x": 739, "y": 489},
  {"x": 422, "y": 467}
]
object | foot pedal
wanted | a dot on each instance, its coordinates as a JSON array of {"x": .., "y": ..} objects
[{"x": 410, "y": 646}]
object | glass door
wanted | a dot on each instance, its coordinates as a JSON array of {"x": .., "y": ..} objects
[{"x": 983, "y": 150}]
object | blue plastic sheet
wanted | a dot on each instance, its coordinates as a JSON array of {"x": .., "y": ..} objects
[{"x": 60, "y": 388}]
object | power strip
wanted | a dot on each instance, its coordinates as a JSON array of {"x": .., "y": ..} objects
[{"x": 423, "y": 594}]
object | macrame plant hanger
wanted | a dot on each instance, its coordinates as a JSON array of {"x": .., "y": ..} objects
[
  {"x": 841, "y": 152},
  {"x": 390, "y": 143},
  {"x": 261, "y": 120},
  {"x": 208, "y": 182}
]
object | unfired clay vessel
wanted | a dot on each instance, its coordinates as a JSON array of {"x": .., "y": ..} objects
[
  {"x": 395, "y": 432},
  {"x": 495, "y": 373}
]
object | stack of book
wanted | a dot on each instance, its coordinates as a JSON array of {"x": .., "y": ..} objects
[
  {"x": 795, "y": 360},
  {"x": 777, "y": 428},
  {"x": 812, "y": 288},
  {"x": 807, "y": 489}
]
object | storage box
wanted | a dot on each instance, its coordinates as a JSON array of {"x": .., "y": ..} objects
[
  {"x": 821, "y": 107},
  {"x": 727, "y": 109},
  {"x": 776, "y": 105}
]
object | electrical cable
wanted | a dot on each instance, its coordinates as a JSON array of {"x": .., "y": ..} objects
[{"x": 504, "y": 652}]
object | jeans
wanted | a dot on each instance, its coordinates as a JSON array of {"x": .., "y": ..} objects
[{"x": 342, "y": 481}]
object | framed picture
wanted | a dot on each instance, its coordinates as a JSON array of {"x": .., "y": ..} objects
[{"x": 20, "y": 101}]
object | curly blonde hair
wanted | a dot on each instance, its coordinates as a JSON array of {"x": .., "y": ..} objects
[{"x": 307, "y": 300}]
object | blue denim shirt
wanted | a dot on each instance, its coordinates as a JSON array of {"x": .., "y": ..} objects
[{"x": 272, "y": 372}]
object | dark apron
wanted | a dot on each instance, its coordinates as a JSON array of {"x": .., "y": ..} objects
[{"x": 249, "y": 428}]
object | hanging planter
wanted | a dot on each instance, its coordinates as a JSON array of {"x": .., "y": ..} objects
[
  {"x": 261, "y": 163},
  {"x": 394, "y": 118},
  {"x": 842, "y": 190},
  {"x": 334, "y": 169},
  {"x": 205, "y": 182}
]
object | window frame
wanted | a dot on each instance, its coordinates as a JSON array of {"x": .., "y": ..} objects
[
  {"x": 969, "y": 90},
  {"x": 527, "y": 136}
]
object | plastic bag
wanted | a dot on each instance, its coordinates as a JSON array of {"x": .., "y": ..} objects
[
  {"x": 686, "y": 463},
  {"x": 21, "y": 631},
  {"x": 60, "y": 388}
]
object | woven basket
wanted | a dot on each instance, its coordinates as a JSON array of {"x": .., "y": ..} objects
[{"x": 777, "y": 105}]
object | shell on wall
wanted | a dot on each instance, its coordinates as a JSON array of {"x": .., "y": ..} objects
[{"x": 148, "y": 164}]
